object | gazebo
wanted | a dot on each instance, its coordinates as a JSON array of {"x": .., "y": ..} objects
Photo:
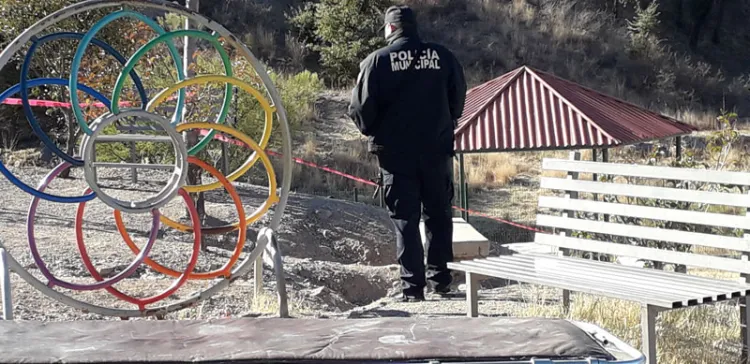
[{"x": 530, "y": 110}]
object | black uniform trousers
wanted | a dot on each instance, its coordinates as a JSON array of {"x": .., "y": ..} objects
[{"x": 416, "y": 185}]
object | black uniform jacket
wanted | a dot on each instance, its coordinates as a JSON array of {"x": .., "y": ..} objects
[{"x": 408, "y": 98}]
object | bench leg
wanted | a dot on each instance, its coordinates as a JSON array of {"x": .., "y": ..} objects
[
  {"x": 649, "y": 314},
  {"x": 745, "y": 329},
  {"x": 566, "y": 301},
  {"x": 472, "y": 294}
]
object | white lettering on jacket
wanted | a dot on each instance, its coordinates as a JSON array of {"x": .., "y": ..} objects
[{"x": 428, "y": 60}]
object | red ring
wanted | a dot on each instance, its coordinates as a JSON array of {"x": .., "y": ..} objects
[{"x": 175, "y": 286}]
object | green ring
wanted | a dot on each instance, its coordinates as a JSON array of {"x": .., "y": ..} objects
[
  {"x": 130, "y": 65},
  {"x": 73, "y": 84}
]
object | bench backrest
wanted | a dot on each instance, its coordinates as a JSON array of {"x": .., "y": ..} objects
[{"x": 655, "y": 218}]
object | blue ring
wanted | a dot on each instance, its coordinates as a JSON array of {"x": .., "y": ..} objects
[
  {"x": 76, "y": 65},
  {"x": 25, "y": 88},
  {"x": 9, "y": 175}
]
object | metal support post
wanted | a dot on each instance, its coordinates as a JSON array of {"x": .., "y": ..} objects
[
  {"x": 462, "y": 187},
  {"x": 278, "y": 268},
  {"x": 272, "y": 255},
  {"x": 381, "y": 184},
  {"x": 5, "y": 285}
]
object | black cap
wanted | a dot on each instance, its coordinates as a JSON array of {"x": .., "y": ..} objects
[{"x": 400, "y": 16}]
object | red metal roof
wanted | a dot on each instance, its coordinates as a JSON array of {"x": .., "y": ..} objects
[{"x": 527, "y": 109}]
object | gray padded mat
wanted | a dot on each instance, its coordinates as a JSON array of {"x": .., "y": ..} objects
[{"x": 270, "y": 340}]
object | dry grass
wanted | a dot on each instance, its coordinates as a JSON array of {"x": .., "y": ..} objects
[
  {"x": 489, "y": 171},
  {"x": 703, "y": 334},
  {"x": 267, "y": 303}
]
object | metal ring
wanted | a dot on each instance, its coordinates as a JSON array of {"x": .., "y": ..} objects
[
  {"x": 11, "y": 177},
  {"x": 54, "y": 281},
  {"x": 130, "y": 65},
  {"x": 175, "y": 182},
  {"x": 25, "y": 93},
  {"x": 142, "y": 302},
  {"x": 243, "y": 267},
  {"x": 221, "y": 272},
  {"x": 272, "y": 196},
  {"x": 161, "y": 96},
  {"x": 78, "y": 57}
]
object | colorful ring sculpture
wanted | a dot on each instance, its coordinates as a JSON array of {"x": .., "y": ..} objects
[{"x": 93, "y": 133}]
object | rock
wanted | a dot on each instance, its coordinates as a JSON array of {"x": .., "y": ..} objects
[
  {"x": 327, "y": 298},
  {"x": 324, "y": 214}
]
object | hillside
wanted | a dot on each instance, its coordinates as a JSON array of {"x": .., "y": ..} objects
[
  {"x": 338, "y": 253},
  {"x": 646, "y": 59}
]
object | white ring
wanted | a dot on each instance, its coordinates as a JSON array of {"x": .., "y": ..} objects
[{"x": 175, "y": 182}]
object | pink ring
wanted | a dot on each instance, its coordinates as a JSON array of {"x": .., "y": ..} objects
[{"x": 54, "y": 281}]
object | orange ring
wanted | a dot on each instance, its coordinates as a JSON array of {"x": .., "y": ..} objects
[
  {"x": 224, "y": 271},
  {"x": 183, "y": 277}
]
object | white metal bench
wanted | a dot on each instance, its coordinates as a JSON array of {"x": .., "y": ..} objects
[{"x": 601, "y": 226}]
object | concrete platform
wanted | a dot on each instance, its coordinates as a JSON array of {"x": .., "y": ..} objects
[{"x": 468, "y": 243}]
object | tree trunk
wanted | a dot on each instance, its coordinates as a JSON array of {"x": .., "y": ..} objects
[
  {"x": 701, "y": 10},
  {"x": 678, "y": 6},
  {"x": 719, "y": 20},
  {"x": 191, "y": 137},
  {"x": 71, "y": 142}
]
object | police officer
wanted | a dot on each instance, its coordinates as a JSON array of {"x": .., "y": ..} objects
[{"x": 408, "y": 98}]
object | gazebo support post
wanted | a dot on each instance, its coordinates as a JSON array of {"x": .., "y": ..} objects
[
  {"x": 605, "y": 159},
  {"x": 594, "y": 177},
  {"x": 678, "y": 148},
  {"x": 463, "y": 187}
]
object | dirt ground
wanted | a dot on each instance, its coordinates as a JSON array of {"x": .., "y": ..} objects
[{"x": 339, "y": 255}]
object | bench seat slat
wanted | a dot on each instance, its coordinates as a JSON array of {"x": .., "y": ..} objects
[
  {"x": 645, "y": 232},
  {"x": 638, "y": 170},
  {"x": 719, "y": 284},
  {"x": 622, "y": 287},
  {"x": 622, "y": 189},
  {"x": 660, "y": 255},
  {"x": 683, "y": 286},
  {"x": 598, "y": 282},
  {"x": 646, "y": 212},
  {"x": 573, "y": 285},
  {"x": 608, "y": 282}
]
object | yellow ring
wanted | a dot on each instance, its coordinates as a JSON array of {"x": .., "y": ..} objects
[
  {"x": 272, "y": 186},
  {"x": 267, "y": 108}
]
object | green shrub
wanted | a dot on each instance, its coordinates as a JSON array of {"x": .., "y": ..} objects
[
  {"x": 343, "y": 32},
  {"x": 298, "y": 94}
]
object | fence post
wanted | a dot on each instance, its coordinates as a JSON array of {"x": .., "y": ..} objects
[
  {"x": 356, "y": 194},
  {"x": 744, "y": 307},
  {"x": 381, "y": 187}
]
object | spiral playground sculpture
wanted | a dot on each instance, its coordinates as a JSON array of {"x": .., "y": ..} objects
[{"x": 176, "y": 184}]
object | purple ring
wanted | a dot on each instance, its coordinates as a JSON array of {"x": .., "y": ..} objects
[{"x": 53, "y": 281}]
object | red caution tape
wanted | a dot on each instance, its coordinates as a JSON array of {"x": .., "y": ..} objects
[
  {"x": 521, "y": 226},
  {"x": 45, "y": 103},
  {"x": 297, "y": 160},
  {"x": 67, "y": 105},
  {"x": 370, "y": 183}
]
